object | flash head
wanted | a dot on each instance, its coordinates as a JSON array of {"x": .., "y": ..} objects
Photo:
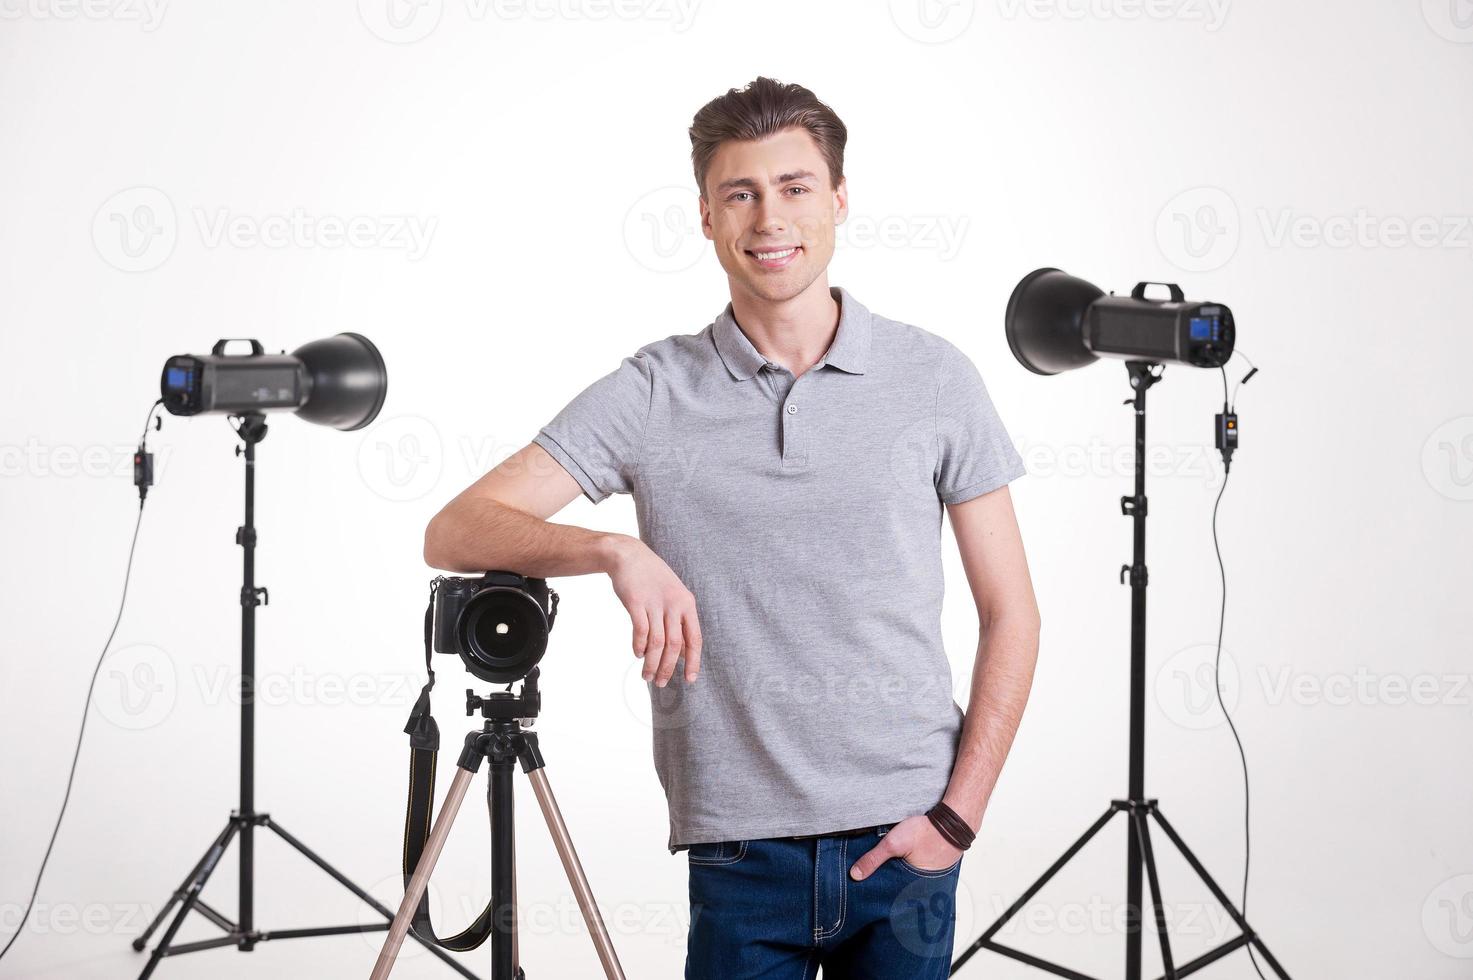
[
  {"x": 1057, "y": 322},
  {"x": 338, "y": 381}
]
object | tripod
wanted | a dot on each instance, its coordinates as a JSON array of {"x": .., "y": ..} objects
[
  {"x": 504, "y": 740},
  {"x": 1139, "y": 810},
  {"x": 243, "y": 934}
]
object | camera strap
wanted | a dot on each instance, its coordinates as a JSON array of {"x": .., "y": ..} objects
[{"x": 424, "y": 748}]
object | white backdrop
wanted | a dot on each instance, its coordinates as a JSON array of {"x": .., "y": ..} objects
[{"x": 499, "y": 195}]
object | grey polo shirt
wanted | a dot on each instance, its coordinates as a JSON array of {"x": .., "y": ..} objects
[{"x": 805, "y": 517}]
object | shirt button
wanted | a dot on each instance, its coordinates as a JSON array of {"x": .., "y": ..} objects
[{"x": 792, "y": 409}]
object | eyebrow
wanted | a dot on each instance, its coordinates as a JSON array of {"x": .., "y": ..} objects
[{"x": 748, "y": 182}]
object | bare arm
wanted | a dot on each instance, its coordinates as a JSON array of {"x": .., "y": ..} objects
[
  {"x": 500, "y": 522},
  {"x": 1007, "y": 649}
]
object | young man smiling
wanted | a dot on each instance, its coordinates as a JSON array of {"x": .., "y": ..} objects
[{"x": 789, "y": 466}]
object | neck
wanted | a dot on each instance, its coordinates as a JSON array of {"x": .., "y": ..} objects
[{"x": 794, "y": 332}]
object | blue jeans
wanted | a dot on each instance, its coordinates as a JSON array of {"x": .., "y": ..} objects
[{"x": 779, "y": 908}]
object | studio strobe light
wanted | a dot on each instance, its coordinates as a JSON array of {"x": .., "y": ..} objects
[
  {"x": 338, "y": 381},
  {"x": 1056, "y": 322}
]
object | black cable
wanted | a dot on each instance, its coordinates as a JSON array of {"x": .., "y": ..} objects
[
  {"x": 1217, "y": 687},
  {"x": 87, "y": 705}
]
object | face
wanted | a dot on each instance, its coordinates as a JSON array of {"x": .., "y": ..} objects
[{"x": 771, "y": 213}]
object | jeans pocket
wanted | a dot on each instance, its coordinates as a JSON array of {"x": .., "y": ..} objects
[
  {"x": 929, "y": 872},
  {"x": 717, "y": 853}
]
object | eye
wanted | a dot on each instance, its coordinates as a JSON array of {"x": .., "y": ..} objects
[
  {"x": 803, "y": 189},
  {"x": 739, "y": 194}
]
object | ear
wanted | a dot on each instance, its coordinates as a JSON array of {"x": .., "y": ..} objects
[
  {"x": 841, "y": 201},
  {"x": 705, "y": 218}
]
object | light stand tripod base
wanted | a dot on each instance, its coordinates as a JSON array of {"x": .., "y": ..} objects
[
  {"x": 187, "y": 897},
  {"x": 1140, "y": 811},
  {"x": 242, "y": 933}
]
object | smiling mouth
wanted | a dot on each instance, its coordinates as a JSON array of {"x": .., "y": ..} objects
[{"x": 775, "y": 258}]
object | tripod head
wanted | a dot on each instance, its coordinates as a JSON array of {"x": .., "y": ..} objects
[{"x": 522, "y": 705}]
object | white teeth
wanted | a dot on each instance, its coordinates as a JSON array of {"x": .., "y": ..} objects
[{"x": 770, "y": 256}]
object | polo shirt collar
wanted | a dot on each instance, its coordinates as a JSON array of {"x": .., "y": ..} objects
[{"x": 849, "y": 351}]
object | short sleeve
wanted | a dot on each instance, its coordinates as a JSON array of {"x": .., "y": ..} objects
[
  {"x": 598, "y": 436},
  {"x": 974, "y": 454}
]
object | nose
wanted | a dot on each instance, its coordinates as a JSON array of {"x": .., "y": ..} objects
[{"x": 770, "y": 220}]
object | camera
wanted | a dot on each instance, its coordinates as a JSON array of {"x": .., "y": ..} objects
[{"x": 498, "y": 623}]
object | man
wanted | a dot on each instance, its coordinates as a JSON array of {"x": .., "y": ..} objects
[{"x": 789, "y": 465}]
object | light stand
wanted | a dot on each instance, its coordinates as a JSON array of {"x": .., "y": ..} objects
[
  {"x": 243, "y": 933},
  {"x": 1140, "y": 810}
]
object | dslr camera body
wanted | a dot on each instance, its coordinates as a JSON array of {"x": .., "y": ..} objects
[{"x": 498, "y": 623}]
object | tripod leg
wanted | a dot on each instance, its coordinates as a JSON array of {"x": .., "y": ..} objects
[
  {"x": 175, "y": 898},
  {"x": 1221, "y": 896},
  {"x": 503, "y": 868},
  {"x": 420, "y": 880},
  {"x": 1143, "y": 839},
  {"x": 366, "y": 898},
  {"x": 574, "y": 870},
  {"x": 207, "y": 868},
  {"x": 1033, "y": 889}
]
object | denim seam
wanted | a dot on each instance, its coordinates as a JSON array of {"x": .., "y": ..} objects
[
  {"x": 928, "y": 872},
  {"x": 820, "y": 934},
  {"x": 741, "y": 852},
  {"x": 817, "y": 851}
]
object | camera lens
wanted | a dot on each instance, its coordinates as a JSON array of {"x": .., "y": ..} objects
[{"x": 503, "y": 634}]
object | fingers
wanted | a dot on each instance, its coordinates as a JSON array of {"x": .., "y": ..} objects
[
  {"x": 655, "y": 645},
  {"x": 692, "y": 648},
  {"x": 674, "y": 647},
  {"x": 661, "y": 637},
  {"x": 872, "y": 859},
  {"x": 641, "y": 621}
]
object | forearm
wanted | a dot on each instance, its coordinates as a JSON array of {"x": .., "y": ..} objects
[
  {"x": 1006, "y": 654},
  {"x": 477, "y": 535}
]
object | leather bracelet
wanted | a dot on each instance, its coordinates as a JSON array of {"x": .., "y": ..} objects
[{"x": 951, "y": 826}]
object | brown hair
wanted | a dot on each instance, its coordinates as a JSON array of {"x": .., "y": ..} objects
[{"x": 761, "y": 108}]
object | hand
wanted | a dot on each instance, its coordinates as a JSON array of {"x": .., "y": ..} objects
[
  {"x": 917, "y": 840},
  {"x": 661, "y": 609}
]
